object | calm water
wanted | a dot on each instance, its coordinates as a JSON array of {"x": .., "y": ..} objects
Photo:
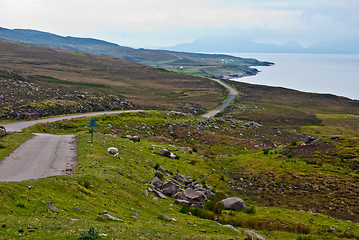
[{"x": 320, "y": 73}]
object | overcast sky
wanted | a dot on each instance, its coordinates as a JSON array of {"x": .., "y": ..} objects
[{"x": 161, "y": 23}]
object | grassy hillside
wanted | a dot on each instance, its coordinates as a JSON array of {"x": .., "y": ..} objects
[
  {"x": 61, "y": 71},
  {"x": 212, "y": 152}
]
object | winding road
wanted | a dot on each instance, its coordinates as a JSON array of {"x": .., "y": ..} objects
[
  {"x": 233, "y": 93},
  {"x": 47, "y": 155}
]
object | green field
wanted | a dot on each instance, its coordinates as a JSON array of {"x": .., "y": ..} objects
[{"x": 118, "y": 184}]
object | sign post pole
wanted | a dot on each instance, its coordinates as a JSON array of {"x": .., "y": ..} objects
[{"x": 92, "y": 124}]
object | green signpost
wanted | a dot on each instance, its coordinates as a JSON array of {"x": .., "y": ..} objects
[{"x": 92, "y": 124}]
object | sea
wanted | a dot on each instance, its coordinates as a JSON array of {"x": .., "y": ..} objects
[{"x": 336, "y": 74}]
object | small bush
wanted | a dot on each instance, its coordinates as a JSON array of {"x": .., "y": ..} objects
[
  {"x": 90, "y": 234},
  {"x": 251, "y": 210},
  {"x": 266, "y": 151},
  {"x": 86, "y": 184},
  {"x": 156, "y": 166},
  {"x": 294, "y": 143}
]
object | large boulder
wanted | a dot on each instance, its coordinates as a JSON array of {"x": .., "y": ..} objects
[
  {"x": 169, "y": 188},
  {"x": 194, "y": 195},
  {"x": 233, "y": 203}
]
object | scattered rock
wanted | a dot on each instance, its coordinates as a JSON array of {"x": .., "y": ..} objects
[
  {"x": 194, "y": 195},
  {"x": 165, "y": 152},
  {"x": 180, "y": 196},
  {"x": 169, "y": 188},
  {"x": 310, "y": 140},
  {"x": 335, "y": 138},
  {"x": 4, "y": 225},
  {"x": 108, "y": 180},
  {"x": 254, "y": 235},
  {"x": 50, "y": 205},
  {"x": 156, "y": 183},
  {"x": 233, "y": 203},
  {"x": 183, "y": 202},
  {"x": 159, "y": 194},
  {"x": 112, "y": 150},
  {"x": 108, "y": 216},
  {"x": 79, "y": 209},
  {"x": 167, "y": 218}
]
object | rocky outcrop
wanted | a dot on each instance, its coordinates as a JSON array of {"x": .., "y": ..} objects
[{"x": 233, "y": 203}]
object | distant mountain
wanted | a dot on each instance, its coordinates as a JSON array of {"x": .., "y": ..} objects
[
  {"x": 215, "y": 65},
  {"x": 239, "y": 44},
  {"x": 100, "y": 47}
]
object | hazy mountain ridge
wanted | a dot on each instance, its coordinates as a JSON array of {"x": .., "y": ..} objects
[{"x": 243, "y": 44}]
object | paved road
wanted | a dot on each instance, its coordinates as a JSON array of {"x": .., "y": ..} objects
[
  {"x": 19, "y": 126},
  {"x": 233, "y": 93},
  {"x": 41, "y": 156}
]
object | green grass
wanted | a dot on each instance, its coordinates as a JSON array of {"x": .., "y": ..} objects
[
  {"x": 130, "y": 174},
  {"x": 10, "y": 142}
]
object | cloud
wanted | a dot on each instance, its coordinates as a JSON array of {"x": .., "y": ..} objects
[{"x": 143, "y": 20}]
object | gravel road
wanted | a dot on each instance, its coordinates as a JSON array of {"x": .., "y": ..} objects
[{"x": 41, "y": 156}]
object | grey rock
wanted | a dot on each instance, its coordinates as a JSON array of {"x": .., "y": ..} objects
[
  {"x": 194, "y": 195},
  {"x": 165, "y": 152},
  {"x": 50, "y": 205},
  {"x": 159, "y": 194},
  {"x": 254, "y": 235},
  {"x": 108, "y": 216},
  {"x": 183, "y": 202},
  {"x": 156, "y": 183},
  {"x": 209, "y": 194},
  {"x": 180, "y": 196},
  {"x": 167, "y": 218},
  {"x": 233, "y": 203},
  {"x": 169, "y": 188}
]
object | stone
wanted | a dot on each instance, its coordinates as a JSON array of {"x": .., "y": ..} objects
[
  {"x": 254, "y": 235},
  {"x": 183, "y": 202},
  {"x": 159, "y": 175},
  {"x": 159, "y": 194},
  {"x": 169, "y": 188},
  {"x": 180, "y": 195},
  {"x": 335, "y": 137},
  {"x": 112, "y": 150},
  {"x": 188, "y": 180},
  {"x": 156, "y": 183},
  {"x": 209, "y": 194},
  {"x": 309, "y": 140},
  {"x": 161, "y": 169},
  {"x": 165, "y": 152},
  {"x": 233, "y": 203},
  {"x": 194, "y": 195},
  {"x": 50, "y": 205},
  {"x": 108, "y": 180},
  {"x": 165, "y": 217},
  {"x": 108, "y": 216}
]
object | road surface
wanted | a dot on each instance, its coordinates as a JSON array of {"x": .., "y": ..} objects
[
  {"x": 233, "y": 93},
  {"x": 41, "y": 156},
  {"x": 19, "y": 126}
]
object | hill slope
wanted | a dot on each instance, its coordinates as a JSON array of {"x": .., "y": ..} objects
[
  {"x": 140, "y": 84},
  {"x": 209, "y": 64}
]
